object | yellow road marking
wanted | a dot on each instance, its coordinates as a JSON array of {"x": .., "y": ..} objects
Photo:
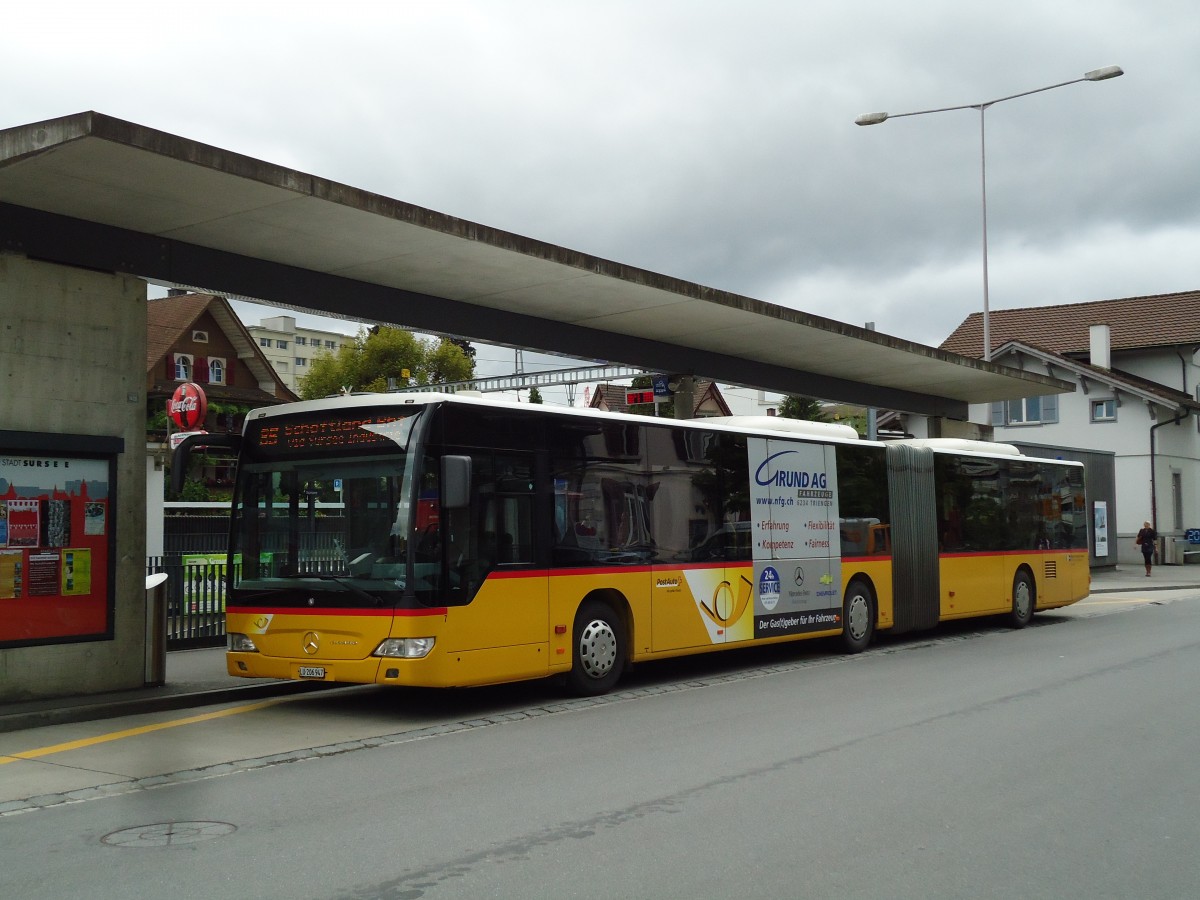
[{"x": 134, "y": 732}]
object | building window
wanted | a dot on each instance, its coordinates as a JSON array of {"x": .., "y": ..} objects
[
  {"x": 264, "y": 342},
  {"x": 1026, "y": 411},
  {"x": 281, "y": 345},
  {"x": 301, "y": 340},
  {"x": 183, "y": 367},
  {"x": 1104, "y": 410},
  {"x": 200, "y": 337},
  {"x": 216, "y": 371},
  {"x": 301, "y": 362},
  {"x": 330, "y": 345}
]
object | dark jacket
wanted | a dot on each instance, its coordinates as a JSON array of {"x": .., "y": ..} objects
[{"x": 1146, "y": 538}]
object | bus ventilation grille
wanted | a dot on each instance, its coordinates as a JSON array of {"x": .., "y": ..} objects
[{"x": 1051, "y": 568}]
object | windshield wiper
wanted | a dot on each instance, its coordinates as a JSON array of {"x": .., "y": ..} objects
[{"x": 337, "y": 579}]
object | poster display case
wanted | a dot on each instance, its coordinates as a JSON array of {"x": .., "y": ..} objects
[{"x": 57, "y": 537}]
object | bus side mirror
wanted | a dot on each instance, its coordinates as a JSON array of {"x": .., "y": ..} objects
[
  {"x": 183, "y": 453},
  {"x": 456, "y": 482}
]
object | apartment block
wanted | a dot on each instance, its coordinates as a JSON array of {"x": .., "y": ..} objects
[{"x": 291, "y": 349}]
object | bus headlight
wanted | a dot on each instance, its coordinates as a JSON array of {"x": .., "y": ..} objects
[
  {"x": 240, "y": 643},
  {"x": 405, "y": 648}
]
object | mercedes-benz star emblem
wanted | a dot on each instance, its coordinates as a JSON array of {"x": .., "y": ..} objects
[{"x": 311, "y": 643}]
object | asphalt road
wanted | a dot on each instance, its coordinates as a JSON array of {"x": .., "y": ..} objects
[{"x": 1057, "y": 761}]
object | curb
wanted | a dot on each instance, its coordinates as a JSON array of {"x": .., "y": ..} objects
[{"x": 106, "y": 709}]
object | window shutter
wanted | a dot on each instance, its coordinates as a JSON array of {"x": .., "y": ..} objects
[
  {"x": 170, "y": 366},
  {"x": 200, "y": 370},
  {"x": 1050, "y": 408},
  {"x": 229, "y": 375},
  {"x": 997, "y": 415}
]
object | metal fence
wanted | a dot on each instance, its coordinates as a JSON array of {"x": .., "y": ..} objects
[
  {"x": 196, "y": 568},
  {"x": 195, "y": 597},
  {"x": 195, "y": 594}
]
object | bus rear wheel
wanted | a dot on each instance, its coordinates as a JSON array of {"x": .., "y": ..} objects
[
  {"x": 858, "y": 617},
  {"x": 1023, "y": 600},
  {"x": 599, "y": 650}
]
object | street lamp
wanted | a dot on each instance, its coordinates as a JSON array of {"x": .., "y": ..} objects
[{"x": 878, "y": 118}]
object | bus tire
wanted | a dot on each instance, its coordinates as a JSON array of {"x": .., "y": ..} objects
[
  {"x": 598, "y": 654},
  {"x": 1024, "y": 598},
  {"x": 858, "y": 616}
]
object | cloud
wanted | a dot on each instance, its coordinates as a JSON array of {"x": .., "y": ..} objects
[{"x": 714, "y": 143}]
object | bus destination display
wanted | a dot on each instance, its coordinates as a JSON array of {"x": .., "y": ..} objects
[{"x": 330, "y": 432}]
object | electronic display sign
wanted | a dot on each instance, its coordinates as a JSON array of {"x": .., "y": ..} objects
[
  {"x": 641, "y": 396},
  {"x": 331, "y": 431}
]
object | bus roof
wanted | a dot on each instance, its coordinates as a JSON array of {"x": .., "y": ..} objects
[{"x": 765, "y": 426}]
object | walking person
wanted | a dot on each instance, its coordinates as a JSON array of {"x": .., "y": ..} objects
[{"x": 1145, "y": 539}]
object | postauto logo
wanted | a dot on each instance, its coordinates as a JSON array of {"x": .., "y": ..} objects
[
  {"x": 768, "y": 588},
  {"x": 785, "y": 477}
]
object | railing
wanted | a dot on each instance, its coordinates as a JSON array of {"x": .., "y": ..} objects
[
  {"x": 195, "y": 595},
  {"x": 195, "y": 599}
]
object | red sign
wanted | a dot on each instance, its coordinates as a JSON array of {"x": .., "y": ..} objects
[
  {"x": 188, "y": 406},
  {"x": 640, "y": 396}
]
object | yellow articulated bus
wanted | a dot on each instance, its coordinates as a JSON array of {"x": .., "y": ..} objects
[{"x": 448, "y": 540}]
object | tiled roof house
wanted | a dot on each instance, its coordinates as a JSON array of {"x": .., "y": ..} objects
[
  {"x": 199, "y": 338},
  {"x": 1135, "y": 364},
  {"x": 706, "y": 399}
]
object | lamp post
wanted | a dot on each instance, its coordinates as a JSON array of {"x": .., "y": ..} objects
[{"x": 879, "y": 117}]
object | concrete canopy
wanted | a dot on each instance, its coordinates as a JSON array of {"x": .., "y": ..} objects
[{"x": 94, "y": 191}]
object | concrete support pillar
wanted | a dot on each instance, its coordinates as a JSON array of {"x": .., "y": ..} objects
[
  {"x": 685, "y": 396},
  {"x": 73, "y": 362}
]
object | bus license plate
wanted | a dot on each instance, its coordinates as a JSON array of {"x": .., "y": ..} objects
[{"x": 312, "y": 671}]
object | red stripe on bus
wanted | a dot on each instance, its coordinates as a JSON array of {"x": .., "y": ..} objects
[
  {"x": 328, "y": 611},
  {"x": 972, "y": 553},
  {"x": 613, "y": 570}
]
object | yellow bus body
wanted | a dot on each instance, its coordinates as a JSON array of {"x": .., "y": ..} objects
[{"x": 519, "y": 626}]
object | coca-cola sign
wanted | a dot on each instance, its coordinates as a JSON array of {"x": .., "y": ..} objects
[{"x": 188, "y": 406}]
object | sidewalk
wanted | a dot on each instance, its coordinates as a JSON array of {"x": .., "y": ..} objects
[
  {"x": 1133, "y": 578},
  {"x": 193, "y": 678},
  {"x": 198, "y": 677}
]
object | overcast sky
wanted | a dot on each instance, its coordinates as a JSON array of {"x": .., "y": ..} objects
[{"x": 713, "y": 142}]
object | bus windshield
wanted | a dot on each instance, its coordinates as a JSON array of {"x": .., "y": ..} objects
[{"x": 329, "y": 523}]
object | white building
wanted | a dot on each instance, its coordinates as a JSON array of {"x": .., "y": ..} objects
[
  {"x": 1136, "y": 366},
  {"x": 291, "y": 349}
]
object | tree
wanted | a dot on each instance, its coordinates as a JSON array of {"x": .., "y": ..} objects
[
  {"x": 464, "y": 345},
  {"x": 383, "y": 353},
  {"x": 535, "y": 396},
  {"x": 795, "y": 406}
]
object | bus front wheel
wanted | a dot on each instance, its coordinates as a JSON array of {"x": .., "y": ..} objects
[
  {"x": 858, "y": 617},
  {"x": 1023, "y": 599},
  {"x": 599, "y": 651}
]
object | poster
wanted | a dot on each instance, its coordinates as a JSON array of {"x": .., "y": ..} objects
[
  {"x": 24, "y": 522},
  {"x": 94, "y": 518},
  {"x": 43, "y": 574},
  {"x": 76, "y": 572},
  {"x": 56, "y": 552},
  {"x": 1100, "y": 526},
  {"x": 12, "y": 565}
]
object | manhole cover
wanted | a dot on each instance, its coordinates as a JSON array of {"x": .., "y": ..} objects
[{"x": 167, "y": 834}]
